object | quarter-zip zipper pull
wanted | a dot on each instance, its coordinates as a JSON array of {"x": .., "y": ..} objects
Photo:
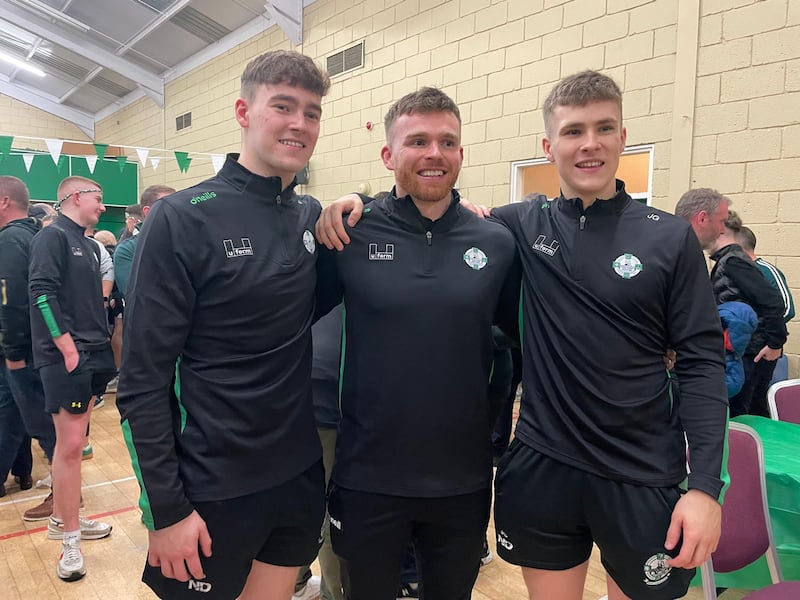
[
  {"x": 582, "y": 222},
  {"x": 278, "y": 198},
  {"x": 429, "y": 235}
]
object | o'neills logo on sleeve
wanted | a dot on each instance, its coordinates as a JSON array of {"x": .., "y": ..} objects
[{"x": 202, "y": 197}]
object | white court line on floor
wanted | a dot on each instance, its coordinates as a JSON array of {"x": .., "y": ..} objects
[{"x": 85, "y": 487}]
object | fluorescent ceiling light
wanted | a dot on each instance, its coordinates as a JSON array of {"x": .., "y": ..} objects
[{"x": 21, "y": 64}]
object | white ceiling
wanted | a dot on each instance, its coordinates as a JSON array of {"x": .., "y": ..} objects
[{"x": 95, "y": 53}]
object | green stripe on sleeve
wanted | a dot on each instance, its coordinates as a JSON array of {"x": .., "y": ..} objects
[
  {"x": 724, "y": 475},
  {"x": 181, "y": 407},
  {"x": 144, "y": 500},
  {"x": 47, "y": 314}
]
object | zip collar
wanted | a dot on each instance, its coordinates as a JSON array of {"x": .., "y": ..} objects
[
  {"x": 573, "y": 207},
  {"x": 246, "y": 181},
  {"x": 406, "y": 210}
]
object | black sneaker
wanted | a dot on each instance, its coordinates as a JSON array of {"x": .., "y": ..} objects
[{"x": 408, "y": 590}]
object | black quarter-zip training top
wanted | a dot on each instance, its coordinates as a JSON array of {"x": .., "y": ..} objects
[
  {"x": 420, "y": 298},
  {"x": 65, "y": 291},
  {"x": 223, "y": 283},
  {"x": 606, "y": 291}
]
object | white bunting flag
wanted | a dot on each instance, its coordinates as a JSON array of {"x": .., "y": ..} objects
[
  {"x": 142, "y": 153},
  {"x": 91, "y": 161},
  {"x": 217, "y": 160},
  {"x": 28, "y": 160},
  {"x": 54, "y": 146},
  {"x": 154, "y": 162}
]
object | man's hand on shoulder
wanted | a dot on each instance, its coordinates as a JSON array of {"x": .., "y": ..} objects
[
  {"x": 329, "y": 229},
  {"x": 175, "y": 548},
  {"x": 478, "y": 209},
  {"x": 698, "y": 518}
]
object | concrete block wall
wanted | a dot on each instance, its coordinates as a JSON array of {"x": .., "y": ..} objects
[
  {"x": 748, "y": 125},
  {"x": 20, "y": 119},
  {"x": 498, "y": 59}
]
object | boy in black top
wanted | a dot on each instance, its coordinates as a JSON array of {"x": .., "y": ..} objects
[
  {"x": 608, "y": 286},
  {"x": 72, "y": 351},
  {"x": 221, "y": 298},
  {"x": 423, "y": 280}
]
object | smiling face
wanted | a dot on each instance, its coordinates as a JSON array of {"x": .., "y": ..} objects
[
  {"x": 585, "y": 143},
  {"x": 280, "y": 127},
  {"x": 424, "y": 151}
]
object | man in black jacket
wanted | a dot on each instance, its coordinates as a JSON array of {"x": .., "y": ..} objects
[
  {"x": 16, "y": 232},
  {"x": 72, "y": 352},
  {"x": 423, "y": 280},
  {"x": 221, "y": 300},
  {"x": 735, "y": 277}
]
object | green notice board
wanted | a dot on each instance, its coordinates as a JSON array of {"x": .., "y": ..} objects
[{"x": 120, "y": 186}]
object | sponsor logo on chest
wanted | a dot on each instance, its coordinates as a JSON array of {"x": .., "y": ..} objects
[
  {"x": 542, "y": 245},
  {"x": 244, "y": 249},
  {"x": 384, "y": 253}
]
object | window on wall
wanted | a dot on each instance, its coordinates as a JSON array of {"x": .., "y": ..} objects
[{"x": 540, "y": 176}]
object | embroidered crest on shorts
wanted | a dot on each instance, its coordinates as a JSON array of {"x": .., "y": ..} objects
[{"x": 656, "y": 569}]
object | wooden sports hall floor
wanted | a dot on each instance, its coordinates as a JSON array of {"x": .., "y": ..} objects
[{"x": 114, "y": 564}]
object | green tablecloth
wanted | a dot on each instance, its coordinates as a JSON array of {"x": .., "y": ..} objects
[{"x": 782, "y": 461}]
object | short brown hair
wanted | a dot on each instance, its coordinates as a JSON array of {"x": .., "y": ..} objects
[
  {"x": 284, "y": 66},
  {"x": 16, "y": 190},
  {"x": 581, "y": 89},
  {"x": 153, "y": 193},
  {"x": 135, "y": 211},
  {"x": 425, "y": 100},
  {"x": 746, "y": 239}
]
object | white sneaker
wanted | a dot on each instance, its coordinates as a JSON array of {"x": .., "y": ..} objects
[
  {"x": 311, "y": 591},
  {"x": 45, "y": 483},
  {"x": 70, "y": 565},
  {"x": 90, "y": 530}
]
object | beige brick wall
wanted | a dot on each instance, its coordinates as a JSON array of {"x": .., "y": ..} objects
[
  {"x": 498, "y": 59},
  {"x": 748, "y": 110},
  {"x": 20, "y": 119}
]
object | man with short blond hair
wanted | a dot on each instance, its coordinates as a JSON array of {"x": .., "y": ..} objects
[{"x": 71, "y": 349}]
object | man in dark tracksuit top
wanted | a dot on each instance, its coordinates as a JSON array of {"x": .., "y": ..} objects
[
  {"x": 609, "y": 284},
  {"x": 423, "y": 279},
  {"x": 16, "y": 234},
  {"x": 72, "y": 351},
  {"x": 735, "y": 277},
  {"x": 228, "y": 458}
]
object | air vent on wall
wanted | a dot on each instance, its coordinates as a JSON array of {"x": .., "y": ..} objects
[
  {"x": 183, "y": 121},
  {"x": 346, "y": 60}
]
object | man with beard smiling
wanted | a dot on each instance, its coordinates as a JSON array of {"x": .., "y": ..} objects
[
  {"x": 423, "y": 280},
  {"x": 221, "y": 298}
]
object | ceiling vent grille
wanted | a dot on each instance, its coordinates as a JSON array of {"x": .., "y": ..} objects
[
  {"x": 346, "y": 60},
  {"x": 115, "y": 89},
  {"x": 198, "y": 24},
  {"x": 60, "y": 64}
]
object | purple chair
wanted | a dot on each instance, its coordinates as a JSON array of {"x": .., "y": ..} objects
[
  {"x": 746, "y": 528},
  {"x": 784, "y": 401}
]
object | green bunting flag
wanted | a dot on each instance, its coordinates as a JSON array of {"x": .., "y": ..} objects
[
  {"x": 5, "y": 145},
  {"x": 100, "y": 150},
  {"x": 122, "y": 160},
  {"x": 183, "y": 160}
]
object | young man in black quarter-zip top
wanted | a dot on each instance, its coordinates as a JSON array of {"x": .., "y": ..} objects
[
  {"x": 221, "y": 300},
  {"x": 423, "y": 280},
  {"x": 609, "y": 285}
]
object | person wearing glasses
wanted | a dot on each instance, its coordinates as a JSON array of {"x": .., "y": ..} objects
[
  {"x": 133, "y": 222},
  {"x": 72, "y": 351}
]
